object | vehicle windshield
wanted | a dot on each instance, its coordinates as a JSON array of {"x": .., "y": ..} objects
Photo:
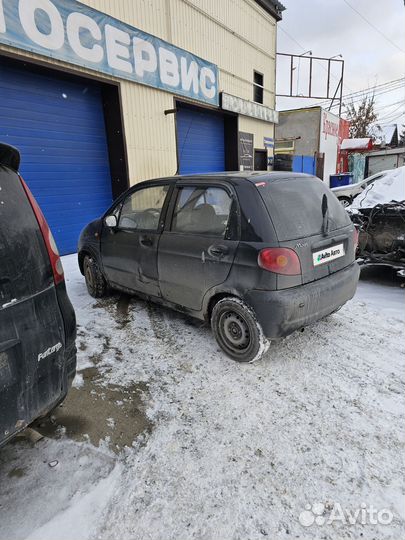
[{"x": 295, "y": 207}]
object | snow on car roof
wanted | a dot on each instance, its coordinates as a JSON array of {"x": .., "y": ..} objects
[{"x": 385, "y": 190}]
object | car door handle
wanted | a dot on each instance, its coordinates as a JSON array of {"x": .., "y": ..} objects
[
  {"x": 146, "y": 241},
  {"x": 218, "y": 250}
]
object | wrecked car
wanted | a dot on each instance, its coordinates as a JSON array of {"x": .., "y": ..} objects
[
  {"x": 257, "y": 255},
  {"x": 346, "y": 194},
  {"x": 37, "y": 321},
  {"x": 379, "y": 215}
]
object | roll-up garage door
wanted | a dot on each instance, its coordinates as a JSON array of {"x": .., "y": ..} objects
[
  {"x": 58, "y": 126},
  {"x": 200, "y": 141}
]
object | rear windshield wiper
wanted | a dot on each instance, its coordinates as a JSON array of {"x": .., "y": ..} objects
[{"x": 325, "y": 215}]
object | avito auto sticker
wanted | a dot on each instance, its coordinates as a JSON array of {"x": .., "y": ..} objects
[{"x": 330, "y": 254}]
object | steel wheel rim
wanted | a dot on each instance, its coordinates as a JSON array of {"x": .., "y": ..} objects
[
  {"x": 89, "y": 276},
  {"x": 234, "y": 331}
]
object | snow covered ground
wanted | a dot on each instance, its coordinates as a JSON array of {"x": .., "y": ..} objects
[{"x": 235, "y": 451}]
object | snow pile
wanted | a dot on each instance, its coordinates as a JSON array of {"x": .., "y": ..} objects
[{"x": 384, "y": 190}]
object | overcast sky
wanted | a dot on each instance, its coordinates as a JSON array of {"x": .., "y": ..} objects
[{"x": 331, "y": 27}]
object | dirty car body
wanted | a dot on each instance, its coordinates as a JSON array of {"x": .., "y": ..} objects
[
  {"x": 37, "y": 321},
  {"x": 274, "y": 248}
]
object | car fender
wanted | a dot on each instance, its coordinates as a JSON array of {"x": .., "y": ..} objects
[{"x": 220, "y": 291}]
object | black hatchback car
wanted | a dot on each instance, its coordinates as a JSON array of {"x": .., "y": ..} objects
[
  {"x": 37, "y": 321},
  {"x": 258, "y": 255}
]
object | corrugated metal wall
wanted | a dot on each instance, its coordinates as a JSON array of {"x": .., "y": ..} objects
[
  {"x": 150, "y": 134},
  {"x": 259, "y": 130},
  {"x": 218, "y": 31},
  {"x": 237, "y": 35}
]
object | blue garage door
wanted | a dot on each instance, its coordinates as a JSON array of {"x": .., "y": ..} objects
[
  {"x": 200, "y": 141},
  {"x": 58, "y": 126}
]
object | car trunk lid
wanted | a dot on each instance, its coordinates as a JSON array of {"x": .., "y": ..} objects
[{"x": 309, "y": 219}]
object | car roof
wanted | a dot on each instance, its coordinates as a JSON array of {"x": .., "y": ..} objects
[{"x": 236, "y": 176}]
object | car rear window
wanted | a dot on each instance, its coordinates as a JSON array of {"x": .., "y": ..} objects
[
  {"x": 24, "y": 263},
  {"x": 295, "y": 207}
]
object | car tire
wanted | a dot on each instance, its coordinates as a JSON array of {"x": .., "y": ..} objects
[
  {"x": 237, "y": 330},
  {"x": 345, "y": 201},
  {"x": 95, "y": 282}
]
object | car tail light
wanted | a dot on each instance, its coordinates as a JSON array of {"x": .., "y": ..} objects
[
  {"x": 280, "y": 261},
  {"x": 355, "y": 239},
  {"x": 53, "y": 253}
]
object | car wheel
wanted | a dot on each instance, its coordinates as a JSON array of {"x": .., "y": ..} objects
[
  {"x": 237, "y": 330},
  {"x": 345, "y": 202},
  {"x": 95, "y": 282}
]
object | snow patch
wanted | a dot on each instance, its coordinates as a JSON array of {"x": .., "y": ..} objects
[
  {"x": 78, "y": 381},
  {"x": 236, "y": 450},
  {"x": 83, "y": 514}
]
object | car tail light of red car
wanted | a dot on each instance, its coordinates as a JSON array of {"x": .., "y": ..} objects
[
  {"x": 53, "y": 253},
  {"x": 280, "y": 261}
]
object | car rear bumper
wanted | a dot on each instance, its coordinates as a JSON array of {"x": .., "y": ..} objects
[
  {"x": 282, "y": 312},
  {"x": 26, "y": 391},
  {"x": 66, "y": 381}
]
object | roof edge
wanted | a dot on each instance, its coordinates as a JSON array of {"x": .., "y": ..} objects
[{"x": 273, "y": 7}]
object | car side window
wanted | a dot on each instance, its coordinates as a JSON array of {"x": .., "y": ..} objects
[
  {"x": 141, "y": 209},
  {"x": 202, "y": 210}
]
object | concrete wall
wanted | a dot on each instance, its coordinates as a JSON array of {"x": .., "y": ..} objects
[{"x": 304, "y": 123}]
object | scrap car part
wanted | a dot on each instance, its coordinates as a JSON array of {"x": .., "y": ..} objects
[{"x": 381, "y": 234}]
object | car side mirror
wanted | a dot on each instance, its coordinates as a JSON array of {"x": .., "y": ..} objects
[{"x": 111, "y": 221}]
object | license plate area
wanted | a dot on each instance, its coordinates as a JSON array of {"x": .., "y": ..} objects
[{"x": 328, "y": 254}]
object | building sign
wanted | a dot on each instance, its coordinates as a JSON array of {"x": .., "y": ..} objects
[
  {"x": 72, "y": 32},
  {"x": 248, "y": 108},
  {"x": 245, "y": 151},
  {"x": 330, "y": 125},
  {"x": 328, "y": 142},
  {"x": 268, "y": 142}
]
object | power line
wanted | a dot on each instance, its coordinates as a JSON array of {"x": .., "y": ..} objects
[
  {"x": 390, "y": 119},
  {"x": 395, "y": 83},
  {"x": 391, "y": 105},
  {"x": 373, "y": 26},
  {"x": 359, "y": 98},
  {"x": 390, "y": 113},
  {"x": 356, "y": 96}
]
